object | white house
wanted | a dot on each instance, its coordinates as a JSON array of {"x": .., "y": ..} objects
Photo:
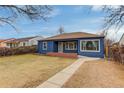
[
  {"x": 28, "y": 41},
  {"x": 121, "y": 42}
]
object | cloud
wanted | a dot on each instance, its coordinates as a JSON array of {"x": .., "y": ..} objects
[
  {"x": 112, "y": 34},
  {"x": 89, "y": 31},
  {"x": 97, "y": 7},
  {"x": 78, "y": 7},
  {"x": 100, "y": 7},
  {"x": 113, "y": 6},
  {"x": 54, "y": 13},
  {"x": 96, "y": 20}
]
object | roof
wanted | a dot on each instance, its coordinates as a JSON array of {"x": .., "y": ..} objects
[
  {"x": 1, "y": 41},
  {"x": 21, "y": 39},
  {"x": 73, "y": 35},
  {"x": 6, "y": 40}
]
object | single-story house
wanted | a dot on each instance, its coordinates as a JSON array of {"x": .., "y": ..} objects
[
  {"x": 3, "y": 42},
  {"x": 121, "y": 42},
  {"x": 28, "y": 41},
  {"x": 81, "y": 43}
]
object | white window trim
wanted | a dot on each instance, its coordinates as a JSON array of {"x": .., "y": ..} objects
[
  {"x": 43, "y": 46},
  {"x": 90, "y": 50},
  {"x": 69, "y": 47}
]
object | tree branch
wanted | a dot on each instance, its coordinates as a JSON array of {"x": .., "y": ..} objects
[{"x": 32, "y": 12}]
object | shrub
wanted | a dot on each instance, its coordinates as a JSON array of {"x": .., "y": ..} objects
[
  {"x": 117, "y": 53},
  {"x": 16, "y": 51},
  {"x": 122, "y": 49}
]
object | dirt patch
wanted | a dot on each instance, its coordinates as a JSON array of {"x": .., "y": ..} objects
[{"x": 100, "y": 73}]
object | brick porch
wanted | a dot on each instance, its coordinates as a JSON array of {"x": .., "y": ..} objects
[{"x": 68, "y": 55}]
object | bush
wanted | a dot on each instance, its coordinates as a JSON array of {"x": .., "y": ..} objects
[
  {"x": 117, "y": 53},
  {"x": 16, "y": 51},
  {"x": 122, "y": 49}
]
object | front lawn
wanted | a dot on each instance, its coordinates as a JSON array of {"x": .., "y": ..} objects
[
  {"x": 95, "y": 74},
  {"x": 29, "y": 70}
]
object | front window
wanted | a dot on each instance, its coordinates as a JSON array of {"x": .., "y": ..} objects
[
  {"x": 90, "y": 45},
  {"x": 70, "y": 45},
  {"x": 44, "y": 45}
]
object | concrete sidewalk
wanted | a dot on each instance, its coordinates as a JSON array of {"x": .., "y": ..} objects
[{"x": 61, "y": 77}]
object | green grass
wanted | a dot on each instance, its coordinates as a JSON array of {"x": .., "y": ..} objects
[{"x": 29, "y": 70}]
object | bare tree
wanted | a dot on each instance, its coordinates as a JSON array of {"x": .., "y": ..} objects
[
  {"x": 32, "y": 12},
  {"x": 114, "y": 18},
  {"x": 61, "y": 30}
]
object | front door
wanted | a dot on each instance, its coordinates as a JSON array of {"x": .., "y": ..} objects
[{"x": 60, "y": 47}]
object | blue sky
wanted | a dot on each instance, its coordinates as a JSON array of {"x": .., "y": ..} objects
[{"x": 72, "y": 18}]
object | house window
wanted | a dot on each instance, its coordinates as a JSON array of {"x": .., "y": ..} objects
[
  {"x": 70, "y": 45},
  {"x": 24, "y": 44},
  {"x": 90, "y": 45},
  {"x": 44, "y": 45},
  {"x": 8, "y": 44}
]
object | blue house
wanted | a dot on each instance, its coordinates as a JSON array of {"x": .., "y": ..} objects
[{"x": 81, "y": 43}]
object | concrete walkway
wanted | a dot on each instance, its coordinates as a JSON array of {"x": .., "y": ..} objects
[{"x": 61, "y": 77}]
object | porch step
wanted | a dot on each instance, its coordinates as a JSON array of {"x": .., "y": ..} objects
[{"x": 67, "y": 55}]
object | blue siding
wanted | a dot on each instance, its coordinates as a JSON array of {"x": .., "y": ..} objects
[
  {"x": 52, "y": 46},
  {"x": 93, "y": 54},
  {"x": 39, "y": 46}
]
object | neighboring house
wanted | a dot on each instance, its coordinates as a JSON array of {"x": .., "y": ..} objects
[
  {"x": 28, "y": 41},
  {"x": 121, "y": 42},
  {"x": 3, "y": 42},
  {"x": 82, "y": 43}
]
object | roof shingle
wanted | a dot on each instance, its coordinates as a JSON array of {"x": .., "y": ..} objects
[
  {"x": 73, "y": 35},
  {"x": 21, "y": 39}
]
